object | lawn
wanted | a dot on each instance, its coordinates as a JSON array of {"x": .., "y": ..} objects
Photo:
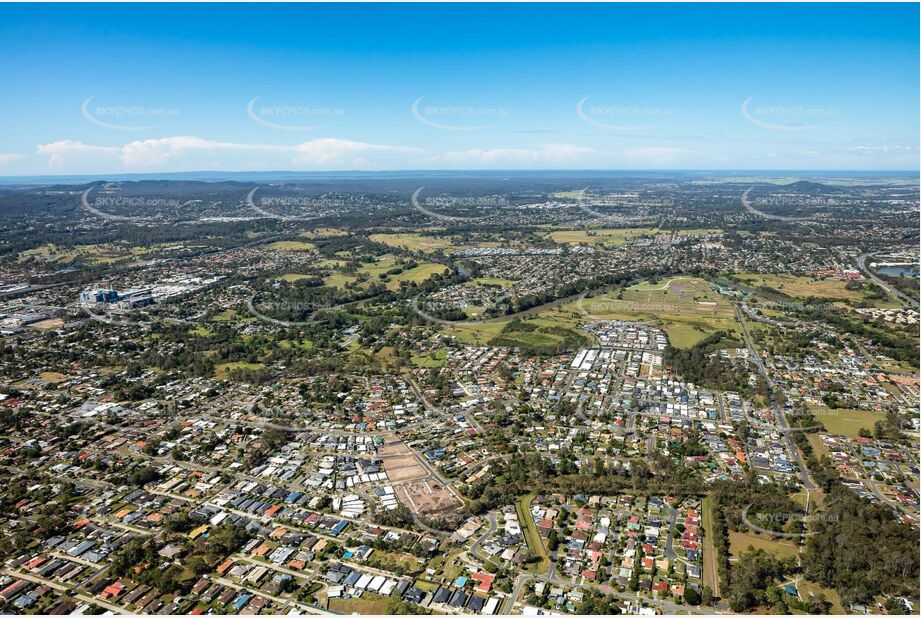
[
  {"x": 739, "y": 542},
  {"x": 806, "y": 587},
  {"x": 847, "y": 422},
  {"x": 368, "y": 604}
]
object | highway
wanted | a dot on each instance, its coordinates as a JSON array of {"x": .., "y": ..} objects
[{"x": 862, "y": 265}]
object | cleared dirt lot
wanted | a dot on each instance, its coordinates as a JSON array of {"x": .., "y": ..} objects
[
  {"x": 426, "y": 496},
  {"x": 399, "y": 462}
]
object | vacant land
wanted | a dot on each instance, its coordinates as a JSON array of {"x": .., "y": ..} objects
[
  {"x": 291, "y": 245},
  {"x": 413, "y": 242},
  {"x": 847, "y": 422},
  {"x": 431, "y": 361},
  {"x": 292, "y": 277},
  {"x": 473, "y": 334},
  {"x": 532, "y": 537},
  {"x": 711, "y": 575},
  {"x": 399, "y": 461},
  {"x": 379, "y": 272},
  {"x": 323, "y": 232},
  {"x": 599, "y": 238},
  {"x": 685, "y": 308},
  {"x": 739, "y": 542},
  {"x": 426, "y": 496},
  {"x": 222, "y": 371},
  {"x": 806, "y": 287},
  {"x": 367, "y": 604}
]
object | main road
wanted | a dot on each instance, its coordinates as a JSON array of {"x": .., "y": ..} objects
[
  {"x": 862, "y": 265},
  {"x": 780, "y": 419}
]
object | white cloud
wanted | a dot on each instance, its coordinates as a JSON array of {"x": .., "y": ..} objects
[
  {"x": 7, "y": 158},
  {"x": 874, "y": 150},
  {"x": 328, "y": 152},
  {"x": 549, "y": 154},
  {"x": 63, "y": 153},
  {"x": 181, "y": 153}
]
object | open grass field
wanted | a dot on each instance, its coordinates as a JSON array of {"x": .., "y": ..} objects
[
  {"x": 339, "y": 280},
  {"x": 52, "y": 376},
  {"x": 415, "y": 275},
  {"x": 292, "y": 277},
  {"x": 472, "y": 334},
  {"x": 739, "y": 542},
  {"x": 228, "y": 315},
  {"x": 368, "y": 604},
  {"x": 602, "y": 238},
  {"x": 413, "y": 242},
  {"x": 805, "y": 287},
  {"x": 323, "y": 232},
  {"x": 710, "y": 573},
  {"x": 845, "y": 421},
  {"x": 95, "y": 255},
  {"x": 598, "y": 238},
  {"x": 49, "y": 324},
  {"x": 817, "y": 445},
  {"x": 222, "y": 370},
  {"x": 375, "y": 271},
  {"x": 431, "y": 361},
  {"x": 532, "y": 537},
  {"x": 685, "y": 308},
  {"x": 496, "y": 281},
  {"x": 291, "y": 245}
]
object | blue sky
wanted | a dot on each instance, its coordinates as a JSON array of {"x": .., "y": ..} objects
[{"x": 108, "y": 89}]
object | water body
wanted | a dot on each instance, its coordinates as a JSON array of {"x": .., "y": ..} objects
[{"x": 909, "y": 270}]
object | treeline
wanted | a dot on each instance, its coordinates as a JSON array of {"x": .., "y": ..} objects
[
  {"x": 702, "y": 365},
  {"x": 525, "y": 473}
]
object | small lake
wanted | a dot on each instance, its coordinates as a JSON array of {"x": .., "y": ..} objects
[{"x": 900, "y": 271}]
